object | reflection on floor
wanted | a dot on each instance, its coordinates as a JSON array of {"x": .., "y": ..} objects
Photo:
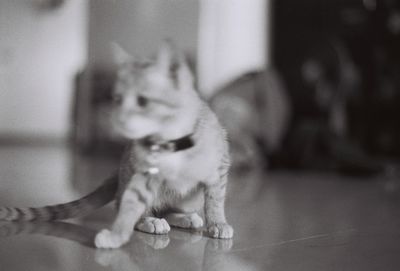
[{"x": 282, "y": 221}]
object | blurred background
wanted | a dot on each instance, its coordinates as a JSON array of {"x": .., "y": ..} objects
[
  {"x": 303, "y": 85},
  {"x": 308, "y": 90}
]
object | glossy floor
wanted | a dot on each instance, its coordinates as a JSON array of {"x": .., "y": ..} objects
[{"x": 282, "y": 221}]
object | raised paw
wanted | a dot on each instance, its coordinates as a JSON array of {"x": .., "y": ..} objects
[
  {"x": 220, "y": 230},
  {"x": 187, "y": 221},
  {"x": 108, "y": 239},
  {"x": 153, "y": 225}
]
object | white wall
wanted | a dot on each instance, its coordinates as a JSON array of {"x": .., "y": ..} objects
[
  {"x": 139, "y": 26},
  {"x": 40, "y": 53},
  {"x": 232, "y": 41}
]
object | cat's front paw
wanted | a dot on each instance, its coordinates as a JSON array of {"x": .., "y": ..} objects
[
  {"x": 108, "y": 239},
  {"x": 220, "y": 230}
]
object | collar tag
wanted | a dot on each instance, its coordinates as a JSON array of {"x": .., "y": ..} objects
[
  {"x": 155, "y": 148},
  {"x": 153, "y": 170}
]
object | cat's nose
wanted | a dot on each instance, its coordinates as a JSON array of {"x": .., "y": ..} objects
[{"x": 128, "y": 110}]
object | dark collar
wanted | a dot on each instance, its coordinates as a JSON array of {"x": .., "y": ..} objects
[{"x": 174, "y": 145}]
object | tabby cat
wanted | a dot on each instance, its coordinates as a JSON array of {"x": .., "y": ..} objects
[{"x": 176, "y": 163}]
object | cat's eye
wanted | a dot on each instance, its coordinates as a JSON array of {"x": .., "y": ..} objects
[
  {"x": 117, "y": 98},
  {"x": 142, "y": 101}
]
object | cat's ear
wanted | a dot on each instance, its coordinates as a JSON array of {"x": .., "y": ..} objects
[
  {"x": 164, "y": 56},
  {"x": 120, "y": 56},
  {"x": 183, "y": 74}
]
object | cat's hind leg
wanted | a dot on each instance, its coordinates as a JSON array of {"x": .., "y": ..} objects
[
  {"x": 153, "y": 225},
  {"x": 185, "y": 220},
  {"x": 184, "y": 213}
]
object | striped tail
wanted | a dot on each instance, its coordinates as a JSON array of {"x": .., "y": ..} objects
[{"x": 98, "y": 198}]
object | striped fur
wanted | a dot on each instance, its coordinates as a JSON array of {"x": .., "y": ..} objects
[{"x": 101, "y": 196}]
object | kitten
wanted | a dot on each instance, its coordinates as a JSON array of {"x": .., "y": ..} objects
[{"x": 176, "y": 163}]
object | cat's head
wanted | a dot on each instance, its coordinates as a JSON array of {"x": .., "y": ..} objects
[{"x": 152, "y": 97}]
